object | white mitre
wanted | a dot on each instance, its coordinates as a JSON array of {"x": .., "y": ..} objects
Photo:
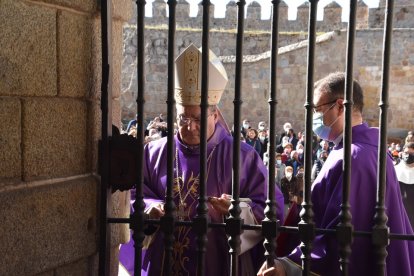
[{"x": 188, "y": 77}]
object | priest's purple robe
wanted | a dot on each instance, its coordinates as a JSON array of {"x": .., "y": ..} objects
[
  {"x": 327, "y": 198},
  {"x": 253, "y": 182}
]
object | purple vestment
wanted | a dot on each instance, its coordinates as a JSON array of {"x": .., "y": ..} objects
[
  {"x": 327, "y": 198},
  {"x": 253, "y": 179}
]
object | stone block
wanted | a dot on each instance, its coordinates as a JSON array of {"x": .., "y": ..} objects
[
  {"x": 122, "y": 10},
  {"x": 116, "y": 113},
  {"x": 75, "y": 50},
  {"x": 47, "y": 273},
  {"x": 78, "y": 268},
  {"x": 117, "y": 58},
  {"x": 54, "y": 137},
  {"x": 94, "y": 132},
  {"x": 47, "y": 225},
  {"x": 27, "y": 49},
  {"x": 10, "y": 138},
  {"x": 78, "y": 5},
  {"x": 95, "y": 92},
  {"x": 120, "y": 208}
]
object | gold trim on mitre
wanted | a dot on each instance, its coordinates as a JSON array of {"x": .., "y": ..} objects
[{"x": 188, "y": 77}]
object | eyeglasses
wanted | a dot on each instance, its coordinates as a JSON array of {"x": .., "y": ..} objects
[
  {"x": 183, "y": 120},
  {"x": 317, "y": 106}
]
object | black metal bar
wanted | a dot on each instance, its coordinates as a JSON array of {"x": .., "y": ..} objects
[
  {"x": 270, "y": 221},
  {"x": 234, "y": 221},
  {"x": 106, "y": 95},
  {"x": 380, "y": 230},
  {"x": 168, "y": 220},
  {"x": 201, "y": 219},
  {"x": 138, "y": 217},
  {"x": 345, "y": 228},
  {"x": 306, "y": 225}
]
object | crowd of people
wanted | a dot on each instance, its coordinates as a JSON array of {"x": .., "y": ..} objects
[{"x": 289, "y": 153}]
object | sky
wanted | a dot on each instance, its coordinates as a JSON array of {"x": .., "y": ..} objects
[{"x": 220, "y": 7}]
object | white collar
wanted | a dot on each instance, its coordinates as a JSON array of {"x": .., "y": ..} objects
[{"x": 404, "y": 173}]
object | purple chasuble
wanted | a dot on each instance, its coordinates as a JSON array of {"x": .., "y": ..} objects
[
  {"x": 253, "y": 181},
  {"x": 326, "y": 199}
]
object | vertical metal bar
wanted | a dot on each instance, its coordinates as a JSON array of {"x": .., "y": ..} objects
[
  {"x": 269, "y": 223},
  {"x": 168, "y": 220},
  {"x": 106, "y": 96},
  {"x": 380, "y": 230},
  {"x": 344, "y": 229},
  {"x": 234, "y": 222},
  {"x": 137, "y": 217},
  {"x": 306, "y": 225},
  {"x": 201, "y": 220}
]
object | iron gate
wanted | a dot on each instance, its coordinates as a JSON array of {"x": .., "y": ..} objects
[{"x": 117, "y": 148}]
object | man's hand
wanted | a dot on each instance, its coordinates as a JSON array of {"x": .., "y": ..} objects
[
  {"x": 156, "y": 210},
  {"x": 221, "y": 204},
  {"x": 276, "y": 270}
]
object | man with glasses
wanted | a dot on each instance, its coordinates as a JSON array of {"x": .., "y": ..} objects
[
  {"x": 328, "y": 123},
  {"x": 186, "y": 182}
]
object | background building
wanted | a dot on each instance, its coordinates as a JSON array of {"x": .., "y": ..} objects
[{"x": 292, "y": 61}]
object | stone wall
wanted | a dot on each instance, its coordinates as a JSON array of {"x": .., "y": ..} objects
[
  {"x": 330, "y": 57},
  {"x": 50, "y": 73},
  {"x": 291, "y": 61}
]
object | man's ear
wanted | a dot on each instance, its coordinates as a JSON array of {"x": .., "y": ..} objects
[
  {"x": 215, "y": 116},
  {"x": 341, "y": 107}
]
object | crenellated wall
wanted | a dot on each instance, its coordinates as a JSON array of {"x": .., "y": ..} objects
[{"x": 332, "y": 14}]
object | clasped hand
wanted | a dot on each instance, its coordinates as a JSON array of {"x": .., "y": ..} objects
[{"x": 219, "y": 204}]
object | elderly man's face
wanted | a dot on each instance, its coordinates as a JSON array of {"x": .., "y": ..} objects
[{"x": 189, "y": 123}]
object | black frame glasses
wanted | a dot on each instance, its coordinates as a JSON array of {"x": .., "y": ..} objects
[
  {"x": 317, "y": 106},
  {"x": 185, "y": 121}
]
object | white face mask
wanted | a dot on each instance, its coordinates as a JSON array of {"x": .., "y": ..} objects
[
  {"x": 261, "y": 127},
  {"x": 318, "y": 126},
  {"x": 262, "y": 138},
  {"x": 246, "y": 126},
  {"x": 300, "y": 151},
  {"x": 289, "y": 175},
  {"x": 279, "y": 162}
]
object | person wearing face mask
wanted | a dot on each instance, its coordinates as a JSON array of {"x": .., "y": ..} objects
[
  {"x": 245, "y": 127},
  {"x": 288, "y": 184},
  {"x": 294, "y": 161},
  {"x": 300, "y": 150},
  {"x": 326, "y": 193},
  {"x": 261, "y": 126},
  {"x": 286, "y": 127},
  {"x": 323, "y": 146},
  {"x": 263, "y": 142},
  {"x": 280, "y": 169},
  {"x": 405, "y": 174}
]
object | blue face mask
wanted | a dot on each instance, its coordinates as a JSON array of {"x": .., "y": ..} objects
[{"x": 319, "y": 128}]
